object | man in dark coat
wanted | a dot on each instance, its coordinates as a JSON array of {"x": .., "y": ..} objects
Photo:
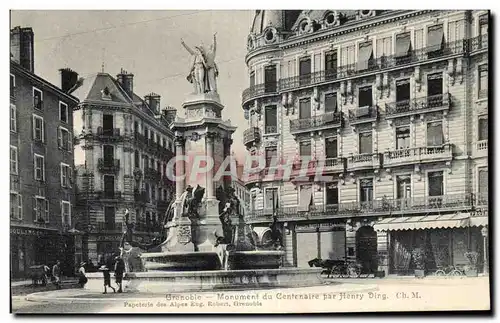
[{"x": 119, "y": 271}]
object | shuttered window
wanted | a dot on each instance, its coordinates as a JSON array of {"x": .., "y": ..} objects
[{"x": 434, "y": 134}]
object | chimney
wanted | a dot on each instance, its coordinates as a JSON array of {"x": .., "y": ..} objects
[
  {"x": 21, "y": 47},
  {"x": 68, "y": 79},
  {"x": 170, "y": 113},
  {"x": 153, "y": 101},
  {"x": 126, "y": 80}
]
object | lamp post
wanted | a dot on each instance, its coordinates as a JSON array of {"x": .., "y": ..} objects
[{"x": 484, "y": 232}]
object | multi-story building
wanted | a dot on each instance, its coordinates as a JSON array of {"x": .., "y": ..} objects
[
  {"x": 41, "y": 164},
  {"x": 240, "y": 190},
  {"x": 124, "y": 145},
  {"x": 393, "y": 105}
]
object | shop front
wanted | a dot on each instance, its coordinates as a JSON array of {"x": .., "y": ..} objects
[
  {"x": 444, "y": 238},
  {"x": 319, "y": 240}
]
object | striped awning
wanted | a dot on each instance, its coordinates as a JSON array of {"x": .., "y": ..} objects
[
  {"x": 456, "y": 220},
  {"x": 479, "y": 221}
]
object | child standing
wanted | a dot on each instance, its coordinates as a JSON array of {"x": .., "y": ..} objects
[{"x": 107, "y": 279}]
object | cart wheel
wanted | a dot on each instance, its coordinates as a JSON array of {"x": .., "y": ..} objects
[
  {"x": 440, "y": 272},
  {"x": 456, "y": 272}
]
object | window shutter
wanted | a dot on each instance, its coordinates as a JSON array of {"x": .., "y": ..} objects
[
  {"x": 34, "y": 167},
  {"x": 62, "y": 174},
  {"x": 70, "y": 175},
  {"x": 20, "y": 206},
  {"x": 70, "y": 141},
  {"x": 61, "y": 206},
  {"x": 34, "y": 209},
  {"x": 46, "y": 210},
  {"x": 69, "y": 214},
  {"x": 44, "y": 131},
  {"x": 59, "y": 137},
  {"x": 33, "y": 123}
]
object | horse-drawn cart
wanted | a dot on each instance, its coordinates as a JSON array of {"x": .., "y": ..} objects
[{"x": 39, "y": 275}]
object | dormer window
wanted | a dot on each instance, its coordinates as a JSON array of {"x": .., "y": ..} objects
[{"x": 106, "y": 95}]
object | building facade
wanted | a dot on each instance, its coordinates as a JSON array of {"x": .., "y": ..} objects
[
  {"x": 393, "y": 106},
  {"x": 124, "y": 145},
  {"x": 41, "y": 165}
]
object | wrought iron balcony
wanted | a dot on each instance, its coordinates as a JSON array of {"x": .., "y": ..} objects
[
  {"x": 152, "y": 174},
  {"x": 112, "y": 134},
  {"x": 417, "y": 155},
  {"x": 439, "y": 102},
  {"x": 109, "y": 227},
  {"x": 481, "y": 199},
  {"x": 327, "y": 120},
  {"x": 108, "y": 165},
  {"x": 376, "y": 65},
  {"x": 251, "y": 136},
  {"x": 481, "y": 148},
  {"x": 364, "y": 161},
  {"x": 140, "y": 139},
  {"x": 384, "y": 206},
  {"x": 478, "y": 43},
  {"x": 99, "y": 195},
  {"x": 363, "y": 115},
  {"x": 259, "y": 90}
]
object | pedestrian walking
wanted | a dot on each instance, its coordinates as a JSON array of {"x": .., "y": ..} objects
[
  {"x": 107, "y": 278},
  {"x": 56, "y": 274},
  {"x": 119, "y": 270},
  {"x": 81, "y": 273}
]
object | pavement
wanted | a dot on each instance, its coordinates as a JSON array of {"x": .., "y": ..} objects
[{"x": 337, "y": 295}]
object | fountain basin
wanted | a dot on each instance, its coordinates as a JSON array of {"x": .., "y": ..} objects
[
  {"x": 161, "y": 282},
  {"x": 181, "y": 261},
  {"x": 258, "y": 259}
]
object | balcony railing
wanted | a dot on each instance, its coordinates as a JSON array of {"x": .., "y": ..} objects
[
  {"x": 432, "y": 103},
  {"x": 363, "y": 114},
  {"x": 329, "y": 119},
  {"x": 335, "y": 164},
  {"x": 482, "y": 145},
  {"x": 481, "y": 199},
  {"x": 364, "y": 161},
  {"x": 109, "y": 226},
  {"x": 259, "y": 90},
  {"x": 270, "y": 129},
  {"x": 140, "y": 138},
  {"x": 108, "y": 134},
  {"x": 108, "y": 165},
  {"x": 99, "y": 195},
  {"x": 384, "y": 206},
  {"x": 152, "y": 174},
  {"x": 375, "y": 65},
  {"x": 478, "y": 43},
  {"x": 418, "y": 155},
  {"x": 251, "y": 136}
]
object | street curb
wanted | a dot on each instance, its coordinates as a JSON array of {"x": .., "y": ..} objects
[{"x": 76, "y": 299}]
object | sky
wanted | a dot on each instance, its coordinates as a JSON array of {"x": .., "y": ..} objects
[{"x": 147, "y": 44}]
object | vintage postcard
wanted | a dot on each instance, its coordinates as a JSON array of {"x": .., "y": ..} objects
[{"x": 258, "y": 161}]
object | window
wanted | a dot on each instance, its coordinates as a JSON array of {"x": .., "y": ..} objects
[
  {"x": 63, "y": 112},
  {"x": 13, "y": 118},
  {"x": 403, "y": 95},
  {"x": 271, "y": 198},
  {"x": 435, "y": 88},
  {"x": 137, "y": 160},
  {"x": 66, "y": 175},
  {"x": 64, "y": 139},
  {"x": 153, "y": 192},
  {"x": 435, "y": 183},
  {"x": 41, "y": 209},
  {"x": 109, "y": 186},
  {"x": 482, "y": 124},
  {"x": 305, "y": 71},
  {"x": 331, "y": 102},
  {"x": 365, "y": 56},
  {"x": 13, "y": 160},
  {"x": 37, "y": 99},
  {"x": 66, "y": 213},
  {"x": 38, "y": 131},
  {"x": 403, "y": 137},
  {"x": 252, "y": 79},
  {"x": 403, "y": 183},
  {"x": 108, "y": 152},
  {"x": 39, "y": 168},
  {"x": 365, "y": 143},
  {"x": 109, "y": 217},
  {"x": 271, "y": 155},
  {"x": 16, "y": 206},
  {"x": 331, "y": 147},
  {"x": 305, "y": 149},
  {"x": 434, "y": 134},
  {"x": 483, "y": 81},
  {"x": 146, "y": 161},
  {"x": 482, "y": 181},
  {"x": 435, "y": 40},
  {"x": 403, "y": 47},
  {"x": 331, "y": 65},
  {"x": 270, "y": 78},
  {"x": 305, "y": 198},
  {"x": 365, "y": 99},
  {"x": 483, "y": 25},
  {"x": 366, "y": 190},
  {"x": 332, "y": 194},
  {"x": 305, "y": 108},
  {"x": 271, "y": 119},
  {"x": 12, "y": 84}
]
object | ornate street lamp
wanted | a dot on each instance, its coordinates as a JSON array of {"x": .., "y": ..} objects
[{"x": 484, "y": 232}]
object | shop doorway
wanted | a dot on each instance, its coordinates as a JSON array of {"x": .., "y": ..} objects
[{"x": 366, "y": 249}]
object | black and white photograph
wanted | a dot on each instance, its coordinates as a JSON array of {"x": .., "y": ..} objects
[{"x": 249, "y": 161}]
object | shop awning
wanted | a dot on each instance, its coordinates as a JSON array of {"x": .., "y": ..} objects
[
  {"x": 403, "y": 44},
  {"x": 456, "y": 220},
  {"x": 479, "y": 221},
  {"x": 435, "y": 37}
]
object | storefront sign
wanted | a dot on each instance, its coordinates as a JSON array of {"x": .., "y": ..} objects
[
  {"x": 30, "y": 232},
  {"x": 108, "y": 238},
  {"x": 321, "y": 226}
]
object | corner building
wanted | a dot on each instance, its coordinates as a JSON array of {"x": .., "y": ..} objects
[
  {"x": 393, "y": 105},
  {"x": 121, "y": 155}
]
